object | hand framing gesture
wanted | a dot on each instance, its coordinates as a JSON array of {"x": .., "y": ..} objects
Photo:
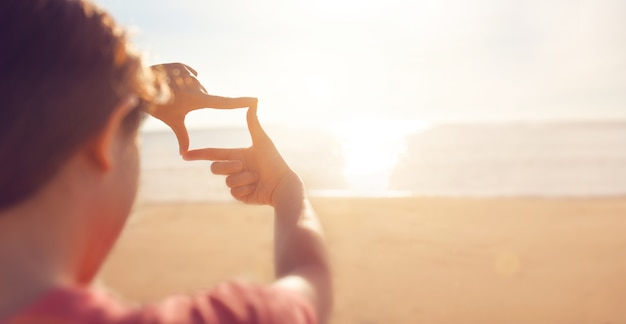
[
  {"x": 255, "y": 175},
  {"x": 188, "y": 95}
]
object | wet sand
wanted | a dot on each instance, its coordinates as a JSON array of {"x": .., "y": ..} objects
[{"x": 401, "y": 260}]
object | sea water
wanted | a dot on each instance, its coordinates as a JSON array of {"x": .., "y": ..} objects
[{"x": 404, "y": 158}]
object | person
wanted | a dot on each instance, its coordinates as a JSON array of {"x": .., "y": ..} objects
[{"x": 73, "y": 95}]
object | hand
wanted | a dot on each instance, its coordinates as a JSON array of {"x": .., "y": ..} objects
[
  {"x": 188, "y": 95},
  {"x": 255, "y": 175}
]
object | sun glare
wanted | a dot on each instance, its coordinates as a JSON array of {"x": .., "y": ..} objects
[{"x": 371, "y": 150}]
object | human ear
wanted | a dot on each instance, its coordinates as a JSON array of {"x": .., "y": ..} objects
[{"x": 101, "y": 149}]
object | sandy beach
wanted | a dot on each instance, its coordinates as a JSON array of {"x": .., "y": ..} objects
[{"x": 401, "y": 260}]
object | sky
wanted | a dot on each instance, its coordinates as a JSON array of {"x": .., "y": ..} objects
[{"x": 316, "y": 63}]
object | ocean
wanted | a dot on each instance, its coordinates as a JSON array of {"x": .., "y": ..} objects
[{"x": 404, "y": 158}]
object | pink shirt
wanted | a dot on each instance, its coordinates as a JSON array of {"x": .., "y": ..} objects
[{"x": 226, "y": 303}]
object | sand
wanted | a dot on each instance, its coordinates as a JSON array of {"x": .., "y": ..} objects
[{"x": 402, "y": 260}]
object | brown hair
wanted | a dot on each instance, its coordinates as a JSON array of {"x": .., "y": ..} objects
[{"x": 64, "y": 66}]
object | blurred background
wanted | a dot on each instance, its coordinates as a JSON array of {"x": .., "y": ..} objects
[
  {"x": 398, "y": 97},
  {"x": 380, "y": 98},
  {"x": 323, "y": 61},
  {"x": 466, "y": 157}
]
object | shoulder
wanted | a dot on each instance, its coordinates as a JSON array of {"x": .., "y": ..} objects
[{"x": 233, "y": 302}]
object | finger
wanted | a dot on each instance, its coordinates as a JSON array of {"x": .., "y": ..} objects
[
  {"x": 190, "y": 69},
  {"x": 226, "y": 167},
  {"x": 241, "y": 179},
  {"x": 214, "y": 154},
  {"x": 257, "y": 133},
  {"x": 158, "y": 67},
  {"x": 192, "y": 82},
  {"x": 209, "y": 101},
  {"x": 180, "y": 130},
  {"x": 240, "y": 193},
  {"x": 173, "y": 69}
]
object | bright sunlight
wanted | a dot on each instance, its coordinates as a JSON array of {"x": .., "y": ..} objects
[{"x": 371, "y": 149}]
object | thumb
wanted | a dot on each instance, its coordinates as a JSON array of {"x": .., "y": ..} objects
[
  {"x": 180, "y": 130},
  {"x": 209, "y": 101},
  {"x": 257, "y": 133}
]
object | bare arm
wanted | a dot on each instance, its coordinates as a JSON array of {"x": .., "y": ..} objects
[
  {"x": 301, "y": 260},
  {"x": 259, "y": 175}
]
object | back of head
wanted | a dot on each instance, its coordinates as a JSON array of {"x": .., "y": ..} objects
[{"x": 64, "y": 64}]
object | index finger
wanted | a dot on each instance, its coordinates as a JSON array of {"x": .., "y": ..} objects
[
  {"x": 214, "y": 154},
  {"x": 257, "y": 133}
]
